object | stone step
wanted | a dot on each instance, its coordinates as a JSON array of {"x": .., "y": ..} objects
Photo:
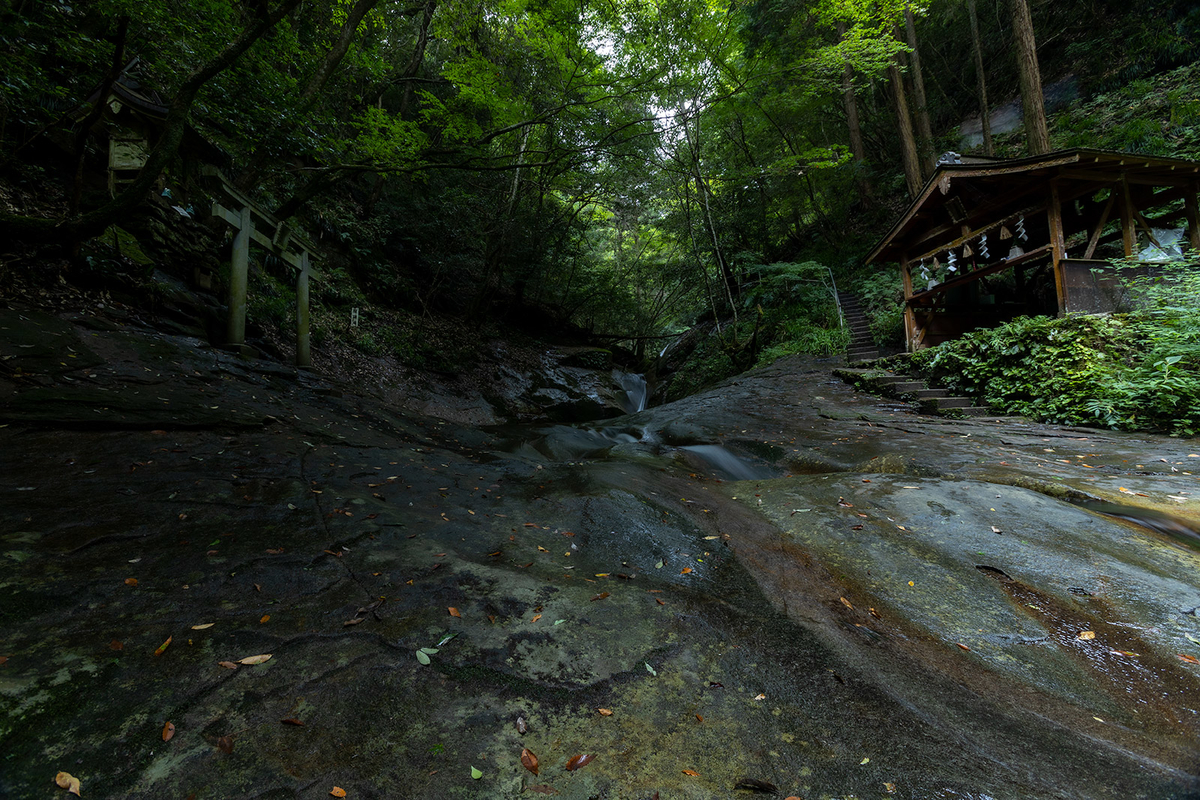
[
  {"x": 941, "y": 403},
  {"x": 888, "y": 380},
  {"x": 975, "y": 411},
  {"x": 929, "y": 394},
  {"x": 861, "y": 354},
  {"x": 904, "y": 387}
]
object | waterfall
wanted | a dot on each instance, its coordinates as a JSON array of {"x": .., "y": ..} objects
[{"x": 635, "y": 391}]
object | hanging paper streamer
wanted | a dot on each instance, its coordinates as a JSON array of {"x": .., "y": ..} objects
[
  {"x": 983, "y": 251},
  {"x": 951, "y": 262},
  {"x": 1021, "y": 229}
]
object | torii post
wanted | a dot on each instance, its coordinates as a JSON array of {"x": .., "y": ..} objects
[{"x": 253, "y": 224}]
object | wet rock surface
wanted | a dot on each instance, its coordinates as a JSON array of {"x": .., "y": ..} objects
[{"x": 892, "y": 605}]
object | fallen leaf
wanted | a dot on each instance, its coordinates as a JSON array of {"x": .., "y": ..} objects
[
  {"x": 1086, "y": 635},
  {"x": 274, "y": 550},
  {"x": 846, "y": 603},
  {"x": 685, "y": 570},
  {"x": 292, "y": 721},
  {"x": 529, "y": 761},
  {"x": 651, "y": 670},
  {"x": 131, "y": 581},
  {"x": 163, "y": 646},
  {"x": 580, "y": 761},
  {"x": 203, "y": 626},
  {"x": 476, "y": 774},
  {"x": 337, "y": 791},
  {"x": 66, "y": 780},
  {"x": 761, "y": 697},
  {"x": 115, "y": 644},
  {"x": 251, "y": 660},
  {"x": 544, "y": 550},
  {"x": 963, "y": 646},
  {"x": 522, "y": 726},
  {"x": 168, "y": 731},
  {"x": 1188, "y": 659},
  {"x": 227, "y": 664},
  {"x": 660, "y": 602},
  {"x": 890, "y": 787},
  {"x": 607, "y": 712},
  {"x": 691, "y": 772},
  {"x": 536, "y": 617},
  {"x": 865, "y": 761},
  {"x": 429, "y": 650},
  {"x": 531, "y": 525},
  {"x": 350, "y": 622},
  {"x": 453, "y": 612},
  {"x": 600, "y": 596},
  {"x": 265, "y": 618},
  {"x": 874, "y": 613},
  {"x": 543, "y": 789},
  {"x": 699, "y": 718},
  {"x": 225, "y": 744},
  {"x": 422, "y": 658}
]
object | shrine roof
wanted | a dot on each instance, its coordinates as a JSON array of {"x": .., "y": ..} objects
[{"x": 979, "y": 192}]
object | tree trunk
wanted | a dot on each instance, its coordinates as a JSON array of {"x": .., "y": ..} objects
[
  {"x": 908, "y": 145},
  {"x": 924, "y": 129},
  {"x": 1031, "y": 79},
  {"x": 33, "y": 229},
  {"x": 985, "y": 118},
  {"x": 856, "y": 138}
]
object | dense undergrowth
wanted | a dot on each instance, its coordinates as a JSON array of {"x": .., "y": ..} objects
[{"x": 1135, "y": 371}]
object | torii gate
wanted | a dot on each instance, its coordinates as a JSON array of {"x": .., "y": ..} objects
[{"x": 252, "y": 223}]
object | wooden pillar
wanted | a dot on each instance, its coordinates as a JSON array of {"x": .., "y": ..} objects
[
  {"x": 1128, "y": 219},
  {"x": 303, "y": 355},
  {"x": 910, "y": 320},
  {"x": 238, "y": 279},
  {"x": 1058, "y": 245},
  {"x": 1193, "y": 217}
]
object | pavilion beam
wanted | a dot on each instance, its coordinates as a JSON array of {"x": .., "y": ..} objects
[
  {"x": 1095, "y": 237},
  {"x": 1128, "y": 222},
  {"x": 911, "y": 332},
  {"x": 1058, "y": 245},
  {"x": 1192, "y": 210}
]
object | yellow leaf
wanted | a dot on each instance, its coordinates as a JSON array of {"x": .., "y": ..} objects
[
  {"x": 605, "y": 712},
  {"x": 453, "y": 612},
  {"x": 536, "y": 617},
  {"x": 1087, "y": 635},
  {"x": 250, "y": 660},
  {"x": 66, "y": 780},
  {"x": 204, "y": 626},
  {"x": 337, "y": 791},
  {"x": 168, "y": 731},
  {"x": 691, "y": 772},
  {"x": 265, "y": 618},
  {"x": 846, "y": 603}
]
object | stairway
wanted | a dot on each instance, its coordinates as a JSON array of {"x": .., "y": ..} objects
[
  {"x": 862, "y": 344},
  {"x": 910, "y": 390}
]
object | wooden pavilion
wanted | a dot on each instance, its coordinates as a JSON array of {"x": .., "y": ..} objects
[{"x": 991, "y": 239}]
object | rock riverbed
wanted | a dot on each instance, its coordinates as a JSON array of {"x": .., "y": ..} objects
[{"x": 892, "y": 605}]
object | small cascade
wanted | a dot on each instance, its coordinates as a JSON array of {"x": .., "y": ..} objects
[
  {"x": 635, "y": 391},
  {"x": 728, "y": 465}
]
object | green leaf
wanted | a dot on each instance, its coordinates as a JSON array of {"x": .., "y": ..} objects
[
  {"x": 422, "y": 657},
  {"x": 429, "y": 650},
  {"x": 476, "y": 774},
  {"x": 651, "y": 670},
  {"x": 446, "y": 638}
]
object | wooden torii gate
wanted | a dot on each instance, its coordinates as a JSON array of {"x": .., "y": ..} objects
[{"x": 254, "y": 224}]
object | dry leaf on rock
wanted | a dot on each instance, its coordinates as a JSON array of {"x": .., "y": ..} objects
[
  {"x": 131, "y": 581},
  {"x": 454, "y": 612},
  {"x": 66, "y": 780},
  {"x": 163, "y": 646},
  {"x": 225, "y": 744},
  {"x": 580, "y": 761},
  {"x": 600, "y": 596},
  {"x": 350, "y": 622},
  {"x": 691, "y": 772},
  {"x": 605, "y": 712},
  {"x": 251, "y": 660},
  {"x": 529, "y": 761},
  {"x": 337, "y": 791},
  {"x": 292, "y": 721},
  {"x": 227, "y": 664},
  {"x": 1085, "y": 635},
  {"x": 203, "y": 626},
  {"x": 168, "y": 731}
]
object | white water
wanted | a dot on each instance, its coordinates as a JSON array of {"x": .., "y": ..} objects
[
  {"x": 729, "y": 465},
  {"x": 635, "y": 391}
]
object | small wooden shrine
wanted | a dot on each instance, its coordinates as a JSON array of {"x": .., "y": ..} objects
[{"x": 988, "y": 240}]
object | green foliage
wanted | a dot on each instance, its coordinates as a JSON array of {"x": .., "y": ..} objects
[
  {"x": 1126, "y": 371},
  {"x": 881, "y": 295}
]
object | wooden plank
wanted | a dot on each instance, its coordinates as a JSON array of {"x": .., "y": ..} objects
[
  {"x": 1128, "y": 231},
  {"x": 961, "y": 280}
]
